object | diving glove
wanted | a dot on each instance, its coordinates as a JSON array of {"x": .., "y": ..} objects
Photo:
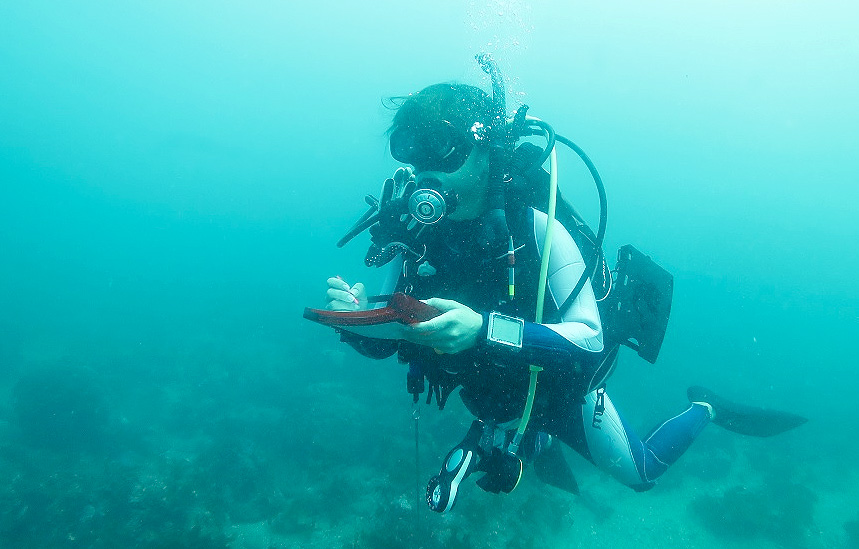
[
  {"x": 395, "y": 230},
  {"x": 399, "y": 217},
  {"x": 387, "y": 218}
]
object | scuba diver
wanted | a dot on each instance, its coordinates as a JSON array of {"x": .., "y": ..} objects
[{"x": 476, "y": 228}]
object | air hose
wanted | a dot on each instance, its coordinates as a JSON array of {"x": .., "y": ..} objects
[{"x": 541, "y": 296}]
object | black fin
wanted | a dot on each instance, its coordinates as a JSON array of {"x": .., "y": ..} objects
[
  {"x": 552, "y": 468},
  {"x": 745, "y": 419}
]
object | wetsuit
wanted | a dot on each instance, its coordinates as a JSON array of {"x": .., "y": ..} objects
[{"x": 571, "y": 402}]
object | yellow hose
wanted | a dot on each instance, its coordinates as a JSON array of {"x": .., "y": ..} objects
[{"x": 541, "y": 295}]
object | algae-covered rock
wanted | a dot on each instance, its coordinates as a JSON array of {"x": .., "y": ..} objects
[{"x": 782, "y": 512}]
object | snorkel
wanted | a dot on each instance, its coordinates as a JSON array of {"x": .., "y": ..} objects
[{"x": 496, "y": 232}]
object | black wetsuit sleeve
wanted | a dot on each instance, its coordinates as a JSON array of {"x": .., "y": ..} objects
[{"x": 369, "y": 347}]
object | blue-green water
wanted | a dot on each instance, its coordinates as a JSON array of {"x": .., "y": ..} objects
[{"x": 175, "y": 175}]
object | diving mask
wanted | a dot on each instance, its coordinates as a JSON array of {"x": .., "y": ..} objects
[{"x": 436, "y": 146}]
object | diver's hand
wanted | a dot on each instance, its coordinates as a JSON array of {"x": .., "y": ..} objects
[
  {"x": 342, "y": 297},
  {"x": 397, "y": 188},
  {"x": 453, "y": 331},
  {"x": 404, "y": 181}
]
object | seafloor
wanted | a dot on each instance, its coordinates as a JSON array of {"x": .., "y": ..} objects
[{"x": 247, "y": 444}]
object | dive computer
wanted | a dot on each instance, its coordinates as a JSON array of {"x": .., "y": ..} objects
[{"x": 505, "y": 331}]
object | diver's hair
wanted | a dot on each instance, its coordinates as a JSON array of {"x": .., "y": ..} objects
[{"x": 460, "y": 104}]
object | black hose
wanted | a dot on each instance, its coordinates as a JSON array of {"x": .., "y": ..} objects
[
  {"x": 550, "y": 138},
  {"x": 600, "y": 236},
  {"x": 367, "y": 220}
]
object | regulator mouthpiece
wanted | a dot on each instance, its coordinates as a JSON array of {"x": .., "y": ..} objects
[{"x": 429, "y": 206}]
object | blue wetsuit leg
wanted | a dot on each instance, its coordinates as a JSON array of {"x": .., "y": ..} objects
[{"x": 600, "y": 435}]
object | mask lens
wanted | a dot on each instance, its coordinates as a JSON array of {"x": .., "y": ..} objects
[{"x": 436, "y": 147}]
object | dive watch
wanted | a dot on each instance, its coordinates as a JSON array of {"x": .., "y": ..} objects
[{"x": 505, "y": 331}]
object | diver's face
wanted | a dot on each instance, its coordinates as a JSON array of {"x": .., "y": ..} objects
[{"x": 470, "y": 183}]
